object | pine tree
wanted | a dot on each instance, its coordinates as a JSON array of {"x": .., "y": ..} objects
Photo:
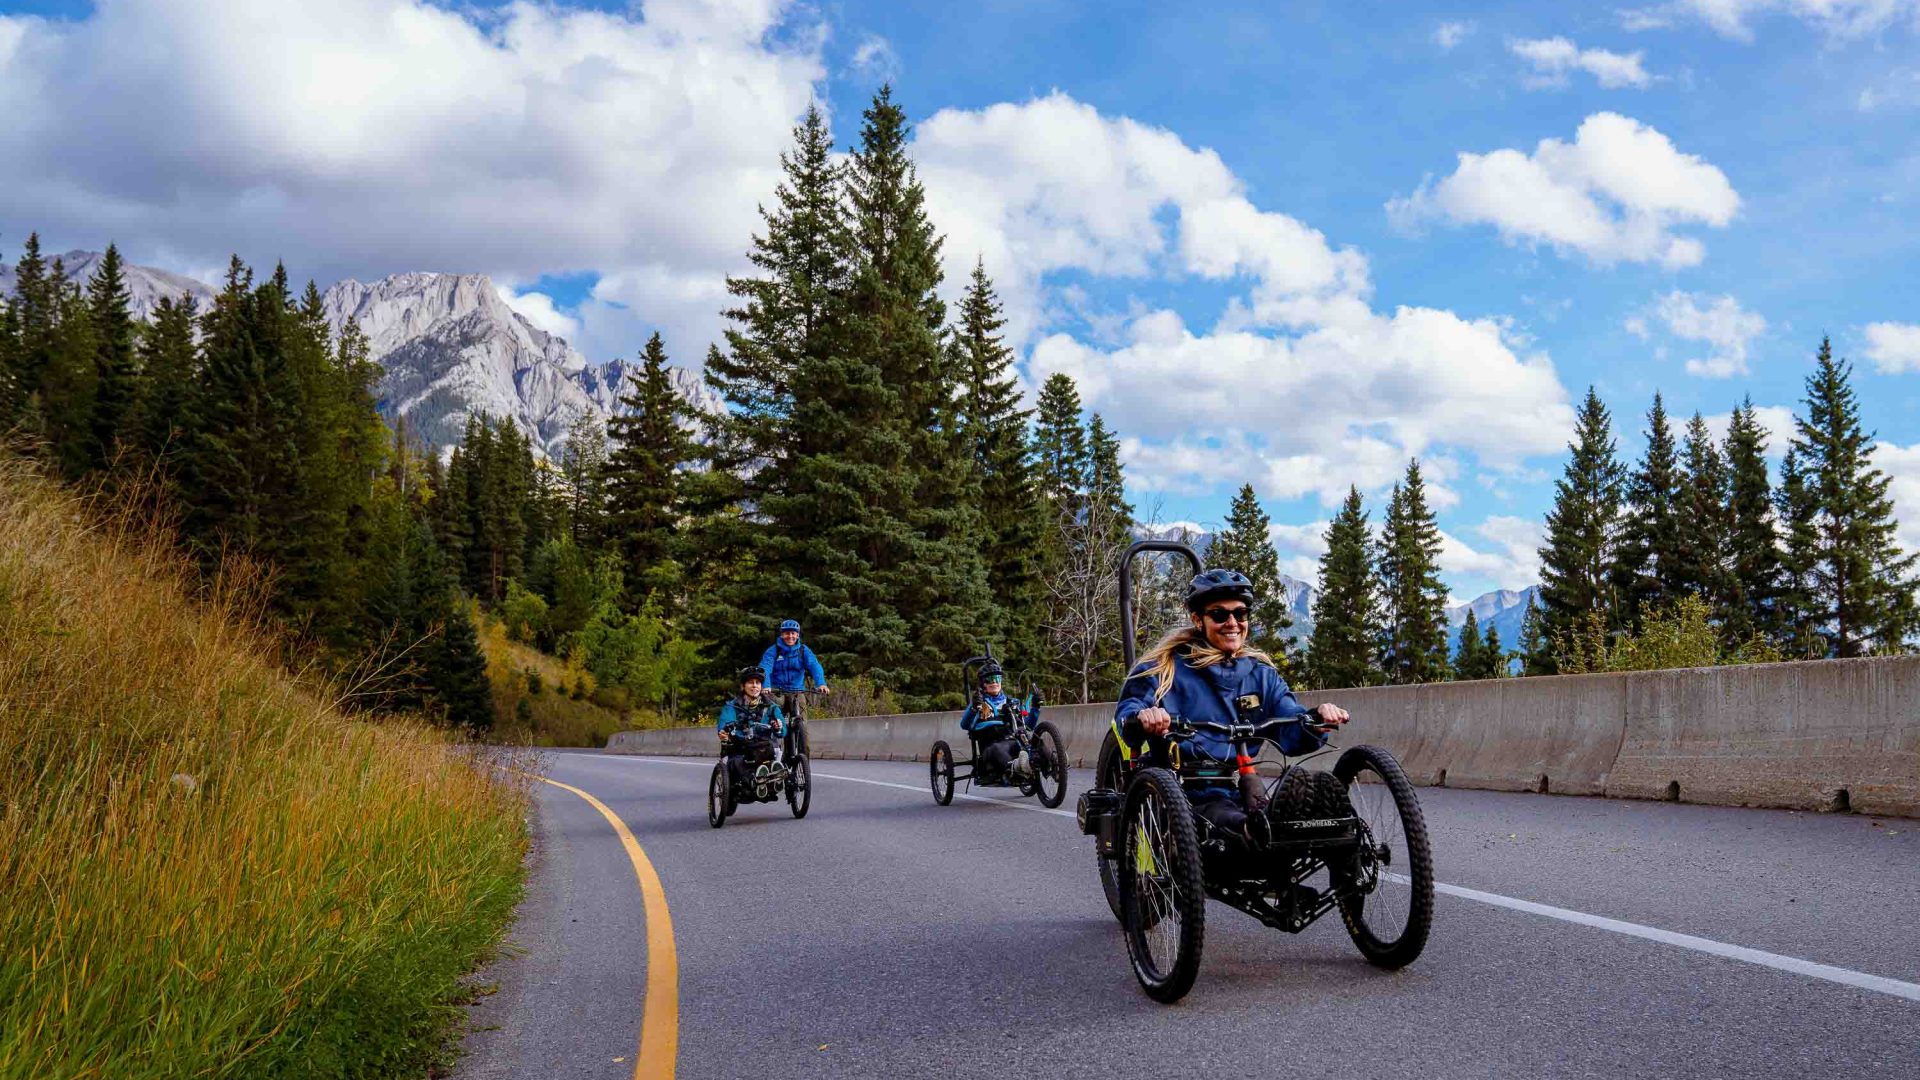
[
  {"x": 1860, "y": 589},
  {"x": 1797, "y": 606},
  {"x": 1413, "y": 639},
  {"x": 1346, "y": 605},
  {"x": 1014, "y": 518},
  {"x": 457, "y": 672},
  {"x": 159, "y": 418},
  {"x": 228, "y": 470},
  {"x": 1703, "y": 526},
  {"x": 1493, "y": 657},
  {"x": 1582, "y": 532},
  {"x": 1246, "y": 545},
  {"x": 1535, "y": 648},
  {"x": 1753, "y": 545},
  {"x": 1060, "y": 442},
  {"x": 642, "y": 474},
  {"x": 1469, "y": 659},
  {"x": 68, "y": 380},
  {"x": 1647, "y": 571},
  {"x": 34, "y": 311},
  {"x": 583, "y": 463},
  {"x": 116, "y": 367}
]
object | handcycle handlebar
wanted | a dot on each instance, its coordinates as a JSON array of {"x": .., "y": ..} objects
[{"x": 751, "y": 730}]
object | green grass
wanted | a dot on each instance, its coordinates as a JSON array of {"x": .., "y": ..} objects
[{"x": 205, "y": 868}]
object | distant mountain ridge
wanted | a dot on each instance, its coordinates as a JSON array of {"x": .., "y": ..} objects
[{"x": 449, "y": 346}]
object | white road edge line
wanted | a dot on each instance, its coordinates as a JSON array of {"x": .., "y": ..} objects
[{"x": 1859, "y": 980}]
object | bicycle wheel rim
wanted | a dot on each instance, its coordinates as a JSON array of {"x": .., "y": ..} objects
[
  {"x": 1384, "y": 900},
  {"x": 1147, "y": 866}
]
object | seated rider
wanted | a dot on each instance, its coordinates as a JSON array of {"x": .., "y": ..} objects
[
  {"x": 989, "y": 721},
  {"x": 1198, "y": 673},
  {"x": 787, "y": 665},
  {"x": 747, "y": 749}
]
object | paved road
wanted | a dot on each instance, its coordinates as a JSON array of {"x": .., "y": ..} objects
[{"x": 886, "y": 936}]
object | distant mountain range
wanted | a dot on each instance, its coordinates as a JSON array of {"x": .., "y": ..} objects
[
  {"x": 450, "y": 347},
  {"x": 1503, "y": 609}
]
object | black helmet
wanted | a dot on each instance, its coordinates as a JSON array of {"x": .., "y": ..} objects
[
  {"x": 753, "y": 673},
  {"x": 991, "y": 670},
  {"x": 1219, "y": 585}
]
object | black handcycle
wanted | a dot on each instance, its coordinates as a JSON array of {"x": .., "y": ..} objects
[
  {"x": 1028, "y": 737},
  {"x": 1159, "y": 861},
  {"x": 769, "y": 778}
]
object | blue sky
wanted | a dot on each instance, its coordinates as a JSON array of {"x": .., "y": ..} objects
[{"x": 1251, "y": 233}]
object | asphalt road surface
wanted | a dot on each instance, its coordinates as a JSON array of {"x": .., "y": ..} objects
[{"x": 887, "y": 936}]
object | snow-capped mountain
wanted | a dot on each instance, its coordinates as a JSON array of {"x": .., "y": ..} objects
[
  {"x": 145, "y": 285},
  {"x": 450, "y": 348}
]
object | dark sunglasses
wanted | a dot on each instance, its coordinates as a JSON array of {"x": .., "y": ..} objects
[{"x": 1218, "y": 616}]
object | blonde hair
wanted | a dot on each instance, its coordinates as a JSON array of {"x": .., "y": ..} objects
[{"x": 1200, "y": 653}]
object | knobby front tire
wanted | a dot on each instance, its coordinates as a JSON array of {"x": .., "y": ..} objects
[
  {"x": 1163, "y": 900},
  {"x": 1389, "y": 908},
  {"x": 719, "y": 796},
  {"x": 1106, "y": 774}
]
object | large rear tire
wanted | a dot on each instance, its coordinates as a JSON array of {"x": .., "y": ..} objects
[
  {"x": 1106, "y": 774},
  {"x": 1163, "y": 900},
  {"x": 719, "y": 796},
  {"x": 940, "y": 770},
  {"x": 800, "y": 786},
  {"x": 1052, "y": 784},
  {"x": 1388, "y": 902}
]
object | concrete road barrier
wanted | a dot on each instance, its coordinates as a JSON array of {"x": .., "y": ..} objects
[{"x": 1823, "y": 734}]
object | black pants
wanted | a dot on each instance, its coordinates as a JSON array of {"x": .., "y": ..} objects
[
  {"x": 997, "y": 754},
  {"x": 740, "y": 764}
]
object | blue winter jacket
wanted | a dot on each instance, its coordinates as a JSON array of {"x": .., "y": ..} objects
[
  {"x": 787, "y": 669},
  {"x": 983, "y": 721},
  {"x": 733, "y": 713},
  {"x": 1207, "y": 694}
]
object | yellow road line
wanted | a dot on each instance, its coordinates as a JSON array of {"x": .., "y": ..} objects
[{"x": 660, "y": 1021}]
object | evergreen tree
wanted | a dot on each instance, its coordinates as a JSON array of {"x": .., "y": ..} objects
[
  {"x": 649, "y": 447},
  {"x": 159, "y": 418},
  {"x": 228, "y": 470},
  {"x": 583, "y": 463},
  {"x": 1796, "y": 611},
  {"x": 34, "y": 312},
  {"x": 1469, "y": 658},
  {"x": 68, "y": 380},
  {"x": 1647, "y": 569},
  {"x": 116, "y": 367},
  {"x": 1582, "y": 532},
  {"x": 1753, "y": 546},
  {"x": 1860, "y": 591},
  {"x": 1060, "y": 442},
  {"x": 1536, "y": 648},
  {"x": 1493, "y": 656},
  {"x": 1346, "y": 606},
  {"x": 457, "y": 671},
  {"x": 1703, "y": 525},
  {"x": 1014, "y": 519},
  {"x": 1413, "y": 639},
  {"x": 1246, "y": 545}
]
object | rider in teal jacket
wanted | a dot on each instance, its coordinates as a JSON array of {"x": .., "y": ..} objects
[{"x": 748, "y": 724}]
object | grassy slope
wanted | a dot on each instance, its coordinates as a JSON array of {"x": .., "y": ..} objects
[
  {"x": 205, "y": 869},
  {"x": 558, "y": 718}
]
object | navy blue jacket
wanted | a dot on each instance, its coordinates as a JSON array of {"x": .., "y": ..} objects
[
  {"x": 984, "y": 721},
  {"x": 1207, "y": 694},
  {"x": 787, "y": 669}
]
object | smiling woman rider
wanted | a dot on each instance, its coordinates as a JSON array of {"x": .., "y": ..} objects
[{"x": 1198, "y": 673}]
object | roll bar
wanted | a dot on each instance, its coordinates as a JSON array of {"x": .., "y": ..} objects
[{"x": 1126, "y": 586}]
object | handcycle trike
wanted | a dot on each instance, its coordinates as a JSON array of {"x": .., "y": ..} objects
[
  {"x": 1159, "y": 861},
  {"x": 768, "y": 778},
  {"x": 1032, "y": 738}
]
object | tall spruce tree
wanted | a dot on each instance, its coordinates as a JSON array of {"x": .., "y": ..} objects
[
  {"x": 68, "y": 381},
  {"x": 1647, "y": 569},
  {"x": 1346, "y": 605},
  {"x": 1535, "y": 648},
  {"x": 231, "y": 467},
  {"x": 1582, "y": 532},
  {"x": 1469, "y": 657},
  {"x": 1013, "y": 515},
  {"x": 1703, "y": 525},
  {"x": 1860, "y": 589},
  {"x": 116, "y": 364},
  {"x": 650, "y": 444},
  {"x": 1413, "y": 638},
  {"x": 1246, "y": 545},
  {"x": 1060, "y": 443},
  {"x": 1753, "y": 543},
  {"x": 34, "y": 311},
  {"x": 583, "y": 463},
  {"x": 159, "y": 420}
]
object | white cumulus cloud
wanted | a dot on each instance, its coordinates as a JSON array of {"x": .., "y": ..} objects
[
  {"x": 1718, "y": 321},
  {"x": 1894, "y": 347},
  {"x": 1509, "y": 555},
  {"x": 359, "y": 137},
  {"x": 1614, "y": 194},
  {"x": 1902, "y": 463},
  {"x": 1552, "y": 60},
  {"x": 1448, "y": 35},
  {"x": 1775, "y": 420}
]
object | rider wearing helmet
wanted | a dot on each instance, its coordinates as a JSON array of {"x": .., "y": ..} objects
[
  {"x": 744, "y": 747},
  {"x": 988, "y": 720},
  {"x": 786, "y": 666},
  {"x": 1202, "y": 672}
]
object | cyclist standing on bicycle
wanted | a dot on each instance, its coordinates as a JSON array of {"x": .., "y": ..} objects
[
  {"x": 1198, "y": 673},
  {"x": 989, "y": 719},
  {"x": 739, "y": 716},
  {"x": 787, "y": 665}
]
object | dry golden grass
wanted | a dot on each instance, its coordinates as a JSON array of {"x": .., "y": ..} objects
[{"x": 205, "y": 868}]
